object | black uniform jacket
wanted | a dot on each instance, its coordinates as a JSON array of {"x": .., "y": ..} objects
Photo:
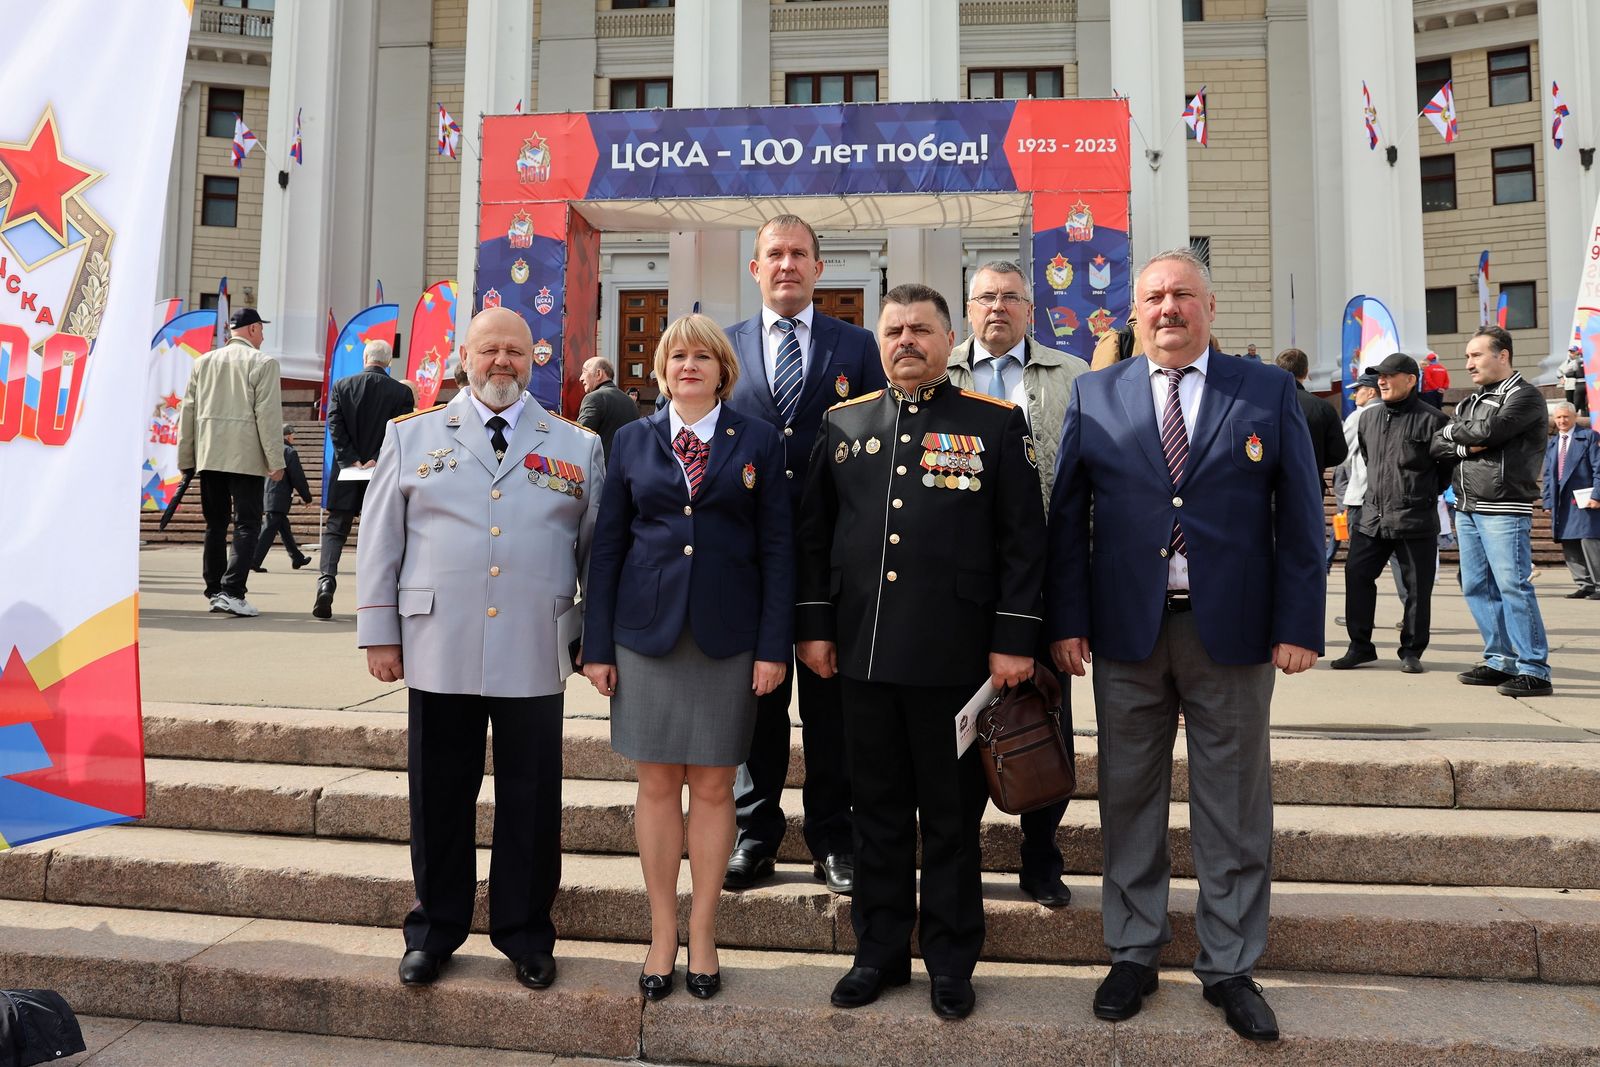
[
  {"x": 278, "y": 493},
  {"x": 921, "y": 542},
  {"x": 359, "y": 409}
]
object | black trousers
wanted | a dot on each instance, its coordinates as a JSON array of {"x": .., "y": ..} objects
[
  {"x": 1419, "y": 560},
  {"x": 228, "y": 499},
  {"x": 334, "y": 532},
  {"x": 758, "y": 788},
  {"x": 274, "y": 526},
  {"x": 445, "y": 761},
  {"x": 904, "y": 773}
]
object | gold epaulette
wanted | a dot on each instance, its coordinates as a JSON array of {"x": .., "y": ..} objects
[
  {"x": 991, "y": 399},
  {"x": 569, "y": 422},
  {"x": 414, "y": 414},
  {"x": 875, "y": 394}
]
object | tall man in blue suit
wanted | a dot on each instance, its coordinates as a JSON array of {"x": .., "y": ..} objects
[
  {"x": 794, "y": 364},
  {"x": 1203, "y": 572}
]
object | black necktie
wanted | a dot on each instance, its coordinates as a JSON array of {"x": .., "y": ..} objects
[{"x": 498, "y": 425}]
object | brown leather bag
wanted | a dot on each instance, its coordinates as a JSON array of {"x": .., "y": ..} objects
[{"x": 1027, "y": 755}]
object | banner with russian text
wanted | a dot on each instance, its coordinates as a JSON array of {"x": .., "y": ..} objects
[
  {"x": 82, "y": 191},
  {"x": 1586, "y": 315},
  {"x": 433, "y": 338},
  {"x": 172, "y": 354}
]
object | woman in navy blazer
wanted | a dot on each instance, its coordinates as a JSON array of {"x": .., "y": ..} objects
[{"x": 689, "y": 610}]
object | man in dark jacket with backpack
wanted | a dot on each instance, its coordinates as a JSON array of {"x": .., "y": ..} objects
[{"x": 1399, "y": 515}]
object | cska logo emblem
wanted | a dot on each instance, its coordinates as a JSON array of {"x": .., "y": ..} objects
[
  {"x": 544, "y": 303},
  {"x": 542, "y": 351},
  {"x": 533, "y": 160},
  {"x": 491, "y": 299},
  {"x": 519, "y": 271},
  {"x": 520, "y": 233}
]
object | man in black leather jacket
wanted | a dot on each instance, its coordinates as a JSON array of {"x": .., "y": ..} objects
[
  {"x": 1399, "y": 515},
  {"x": 1498, "y": 435}
]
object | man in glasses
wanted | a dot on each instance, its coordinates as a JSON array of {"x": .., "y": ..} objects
[{"x": 1003, "y": 361}]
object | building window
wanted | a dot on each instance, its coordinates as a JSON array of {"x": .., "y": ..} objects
[
  {"x": 1043, "y": 83},
  {"x": 1194, "y": 10},
  {"x": 1521, "y": 305},
  {"x": 208, "y": 301},
  {"x": 624, "y": 5},
  {"x": 221, "y": 106},
  {"x": 833, "y": 88},
  {"x": 1510, "y": 77},
  {"x": 1513, "y": 174},
  {"x": 641, "y": 92},
  {"x": 219, "y": 203},
  {"x": 1431, "y": 77},
  {"x": 1201, "y": 246},
  {"x": 1441, "y": 311},
  {"x": 1438, "y": 183}
]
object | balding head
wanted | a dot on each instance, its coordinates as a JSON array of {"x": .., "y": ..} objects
[{"x": 498, "y": 355}]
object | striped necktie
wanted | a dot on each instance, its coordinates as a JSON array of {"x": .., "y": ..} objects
[
  {"x": 1175, "y": 444},
  {"x": 1561, "y": 458},
  {"x": 789, "y": 373},
  {"x": 691, "y": 453}
]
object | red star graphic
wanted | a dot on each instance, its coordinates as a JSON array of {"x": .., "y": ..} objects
[
  {"x": 43, "y": 179},
  {"x": 1059, "y": 262},
  {"x": 171, "y": 400},
  {"x": 1098, "y": 261}
]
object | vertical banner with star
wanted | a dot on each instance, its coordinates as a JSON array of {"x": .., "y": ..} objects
[
  {"x": 82, "y": 191},
  {"x": 433, "y": 338},
  {"x": 376, "y": 323},
  {"x": 177, "y": 345}
]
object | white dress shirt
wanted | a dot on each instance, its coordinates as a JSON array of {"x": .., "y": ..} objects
[
  {"x": 510, "y": 414},
  {"x": 705, "y": 429},
  {"x": 772, "y": 337},
  {"x": 1014, "y": 391},
  {"x": 1191, "y": 390}
]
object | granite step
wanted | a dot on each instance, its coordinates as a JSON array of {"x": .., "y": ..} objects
[
  {"x": 1323, "y": 843},
  {"x": 340, "y": 980},
  {"x": 1504, "y": 933},
  {"x": 1433, "y": 774}
]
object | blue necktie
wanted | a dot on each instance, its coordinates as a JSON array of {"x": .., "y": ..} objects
[
  {"x": 788, "y": 376},
  {"x": 997, "y": 384}
]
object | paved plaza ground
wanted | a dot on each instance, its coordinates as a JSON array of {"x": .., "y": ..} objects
[{"x": 285, "y": 658}]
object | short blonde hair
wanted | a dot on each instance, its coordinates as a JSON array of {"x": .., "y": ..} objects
[{"x": 701, "y": 331}]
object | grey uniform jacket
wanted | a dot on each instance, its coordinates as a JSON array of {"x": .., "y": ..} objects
[
  {"x": 472, "y": 567},
  {"x": 1047, "y": 381}
]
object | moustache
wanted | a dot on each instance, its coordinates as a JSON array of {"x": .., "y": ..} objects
[
  {"x": 907, "y": 350},
  {"x": 1172, "y": 320}
]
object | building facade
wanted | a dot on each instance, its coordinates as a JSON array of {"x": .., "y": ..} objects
[{"x": 1295, "y": 212}]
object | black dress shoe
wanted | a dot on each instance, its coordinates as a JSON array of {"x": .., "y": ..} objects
[
  {"x": 704, "y": 986},
  {"x": 537, "y": 971},
  {"x": 1411, "y": 665},
  {"x": 1246, "y": 1009},
  {"x": 746, "y": 869},
  {"x": 323, "y": 607},
  {"x": 1577, "y": 594},
  {"x": 1352, "y": 659},
  {"x": 1051, "y": 891},
  {"x": 862, "y": 985},
  {"x": 1124, "y": 989},
  {"x": 656, "y": 986},
  {"x": 952, "y": 998},
  {"x": 259, "y": 570},
  {"x": 838, "y": 870},
  {"x": 301, "y": 562},
  {"x": 421, "y": 968}
]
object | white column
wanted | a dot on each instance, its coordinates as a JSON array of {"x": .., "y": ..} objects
[
  {"x": 1093, "y": 48},
  {"x": 177, "y": 232},
  {"x": 1147, "y": 68},
  {"x": 399, "y": 203},
  {"x": 499, "y": 70},
  {"x": 719, "y": 59},
  {"x": 1569, "y": 39},
  {"x": 568, "y": 57},
  {"x": 925, "y": 64},
  {"x": 1368, "y": 213},
  {"x": 1290, "y": 175},
  {"x": 315, "y": 233}
]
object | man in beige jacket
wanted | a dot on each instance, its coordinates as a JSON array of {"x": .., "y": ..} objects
[{"x": 230, "y": 430}]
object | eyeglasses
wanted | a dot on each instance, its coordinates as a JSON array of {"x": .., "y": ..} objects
[{"x": 1010, "y": 300}]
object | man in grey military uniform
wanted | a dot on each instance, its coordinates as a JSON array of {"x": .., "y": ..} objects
[{"x": 476, "y": 530}]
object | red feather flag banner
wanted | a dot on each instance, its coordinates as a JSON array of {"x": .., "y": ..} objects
[
  {"x": 83, "y": 210},
  {"x": 433, "y": 337}
]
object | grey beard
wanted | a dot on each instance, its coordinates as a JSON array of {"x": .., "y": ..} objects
[{"x": 498, "y": 394}]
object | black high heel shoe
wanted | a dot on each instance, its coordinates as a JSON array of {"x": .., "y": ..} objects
[
  {"x": 704, "y": 986},
  {"x": 659, "y": 986}
]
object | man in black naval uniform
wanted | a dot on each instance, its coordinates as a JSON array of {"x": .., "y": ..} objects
[{"x": 921, "y": 561}]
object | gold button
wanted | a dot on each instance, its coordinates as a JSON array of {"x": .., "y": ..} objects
[
  {"x": 900, "y": 469},
  {"x": 494, "y": 494},
  {"x": 688, "y": 550},
  {"x": 894, "y": 539},
  {"x": 494, "y": 531},
  {"x": 493, "y": 612},
  {"x": 788, "y": 474},
  {"x": 896, "y": 502},
  {"x": 911, "y": 408},
  {"x": 788, "y": 431},
  {"x": 904, "y": 438},
  {"x": 687, "y": 510},
  {"x": 1177, "y": 501},
  {"x": 494, "y": 572},
  {"x": 891, "y": 576}
]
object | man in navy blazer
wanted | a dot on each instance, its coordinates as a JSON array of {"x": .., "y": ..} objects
[
  {"x": 794, "y": 364},
  {"x": 1203, "y": 572},
  {"x": 1571, "y": 464}
]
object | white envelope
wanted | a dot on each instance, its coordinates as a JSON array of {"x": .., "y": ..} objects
[
  {"x": 967, "y": 717},
  {"x": 355, "y": 474}
]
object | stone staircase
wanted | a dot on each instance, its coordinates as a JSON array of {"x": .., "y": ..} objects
[{"x": 1436, "y": 903}]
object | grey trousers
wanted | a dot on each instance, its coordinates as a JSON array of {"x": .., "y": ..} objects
[
  {"x": 1225, "y": 713},
  {"x": 1583, "y": 560}
]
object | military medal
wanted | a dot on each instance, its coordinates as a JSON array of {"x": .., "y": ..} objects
[
  {"x": 749, "y": 475},
  {"x": 422, "y": 470},
  {"x": 841, "y": 385},
  {"x": 452, "y": 463},
  {"x": 1252, "y": 448},
  {"x": 855, "y": 447},
  {"x": 927, "y": 479},
  {"x": 974, "y": 485},
  {"x": 873, "y": 444},
  {"x": 841, "y": 453}
]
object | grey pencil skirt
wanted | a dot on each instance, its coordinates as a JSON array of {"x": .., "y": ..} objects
[{"x": 684, "y": 707}]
